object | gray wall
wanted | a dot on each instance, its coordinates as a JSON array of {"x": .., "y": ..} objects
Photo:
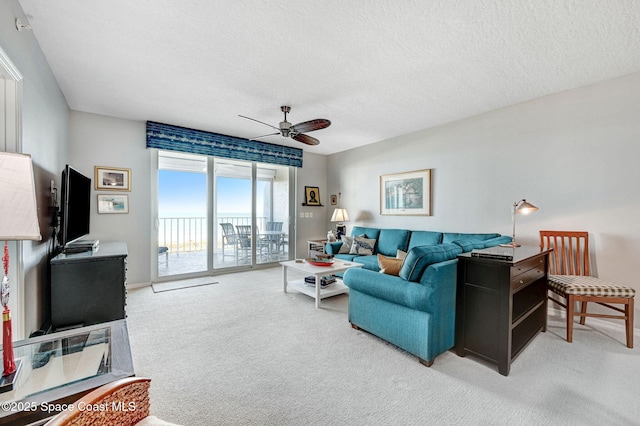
[
  {"x": 573, "y": 154},
  {"x": 44, "y": 136},
  {"x": 97, "y": 140}
]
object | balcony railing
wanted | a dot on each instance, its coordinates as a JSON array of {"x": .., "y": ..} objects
[{"x": 189, "y": 234}]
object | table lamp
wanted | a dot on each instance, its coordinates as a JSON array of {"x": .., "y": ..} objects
[
  {"x": 519, "y": 207},
  {"x": 340, "y": 215},
  {"x": 18, "y": 221}
]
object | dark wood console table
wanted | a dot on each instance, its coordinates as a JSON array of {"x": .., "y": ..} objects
[{"x": 501, "y": 304}]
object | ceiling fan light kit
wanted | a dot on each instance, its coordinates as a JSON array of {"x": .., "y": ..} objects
[{"x": 295, "y": 131}]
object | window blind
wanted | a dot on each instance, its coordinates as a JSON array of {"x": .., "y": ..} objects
[{"x": 182, "y": 139}]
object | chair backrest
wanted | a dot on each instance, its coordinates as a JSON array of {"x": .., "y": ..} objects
[
  {"x": 244, "y": 230},
  {"x": 132, "y": 392},
  {"x": 570, "y": 254},
  {"x": 228, "y": 229},
  {"x": 274, "y": 226}
]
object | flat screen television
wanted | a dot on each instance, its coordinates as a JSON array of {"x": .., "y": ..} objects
[{"x": 75, "y": 207}]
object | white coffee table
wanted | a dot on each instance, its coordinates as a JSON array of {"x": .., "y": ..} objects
[{"x": 318, "y": 272}]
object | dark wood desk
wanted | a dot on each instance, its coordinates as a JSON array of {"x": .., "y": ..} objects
[
  {"x": 501, "y": 305},
  {"x": 59, "y": 368}
]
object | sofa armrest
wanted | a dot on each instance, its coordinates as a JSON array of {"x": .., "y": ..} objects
[
  {"x": 435, "y": 293},
  {"x": 333, "y": 248}
]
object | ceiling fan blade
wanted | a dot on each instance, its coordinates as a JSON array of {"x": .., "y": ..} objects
[
  {"x": 305, "y": 139},
  {"x": 258, "y": 121},
  {"x": 311, "y": 125},
  {"x": 264, "y": 136}
]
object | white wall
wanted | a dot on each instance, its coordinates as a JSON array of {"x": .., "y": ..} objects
[
  {"x": 312, "y": 224},
  {"x": 573, "y": 154}
]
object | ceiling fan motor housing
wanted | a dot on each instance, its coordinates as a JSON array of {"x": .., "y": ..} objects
[{"x": 285, "y": 126}]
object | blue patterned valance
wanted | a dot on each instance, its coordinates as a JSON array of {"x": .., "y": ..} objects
[{"x": 174, "y": 138}]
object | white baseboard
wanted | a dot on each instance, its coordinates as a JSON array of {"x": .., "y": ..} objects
[{"x": 138, "y": 285}]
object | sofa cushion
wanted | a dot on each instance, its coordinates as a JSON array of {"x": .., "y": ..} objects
[
  {"x": 389, "y": 265},
  {"x": 420, "y": 257},
  {"x": 347, "y": 242},
  {"x": 424, "y": 238},
  {"x": 497, "y": 241},
  {"x": 357, "y": 231},
  {"x": 362, "y": 246},
  {"x": 368, "y": 262},
  {"x": 392, "y": 240},
  {"x": 348, "y": 257},
  {"x": 468, "y": 245},
  {"x": 449, "y": 237},
  {"x": 333, "y": 248}
]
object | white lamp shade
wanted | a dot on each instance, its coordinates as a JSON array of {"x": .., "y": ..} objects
[
  {"x": 340, "y": 215},
  {"x": 18, "y": 209}
]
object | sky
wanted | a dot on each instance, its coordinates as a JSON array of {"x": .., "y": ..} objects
[{"x": 184, "y": 194}]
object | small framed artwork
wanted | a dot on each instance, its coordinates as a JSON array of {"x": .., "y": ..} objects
[
  {"x": 108, "y": 203},
  {"x": 406, "y": 193},
  {"x": 112, "y": 179},
  {"x": 312, "y": 196},
  {"x": 334, "y": 200}
]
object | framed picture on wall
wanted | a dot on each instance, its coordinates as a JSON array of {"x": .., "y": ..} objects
[
  {"x": 312, "y": 196},
  {"x": 406, "y": 193},
  {"x": 113, "y": 204},
  {"x": 112, "y": 179},
  {"x": 334, "y": 200}
]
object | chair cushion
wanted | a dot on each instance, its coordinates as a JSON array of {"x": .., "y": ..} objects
[{"x": 587, "y": 286}]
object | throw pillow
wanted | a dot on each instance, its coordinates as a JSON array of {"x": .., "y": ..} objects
[
  {"x": 401, "y": 254},
  {"x": 362, "y": 246},
  {"x": 347, "y": 242},
  {"x": 389, "y": 265}
]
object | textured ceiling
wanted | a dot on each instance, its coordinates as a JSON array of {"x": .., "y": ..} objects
[{"x": 376, "y": 69}]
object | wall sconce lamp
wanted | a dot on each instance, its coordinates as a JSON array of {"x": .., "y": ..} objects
[
  {"x": 519, "y": 207},
  {"x": 18, "y": 221}
]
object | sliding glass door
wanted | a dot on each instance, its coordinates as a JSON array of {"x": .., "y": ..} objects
[
  {"x": 182, "y": 224},
  {"x": 251, "y": 213},
  {"x": 216, "y": 214}
]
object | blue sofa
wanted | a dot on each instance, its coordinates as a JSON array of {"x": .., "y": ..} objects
[{"x": 416, "y": 309}]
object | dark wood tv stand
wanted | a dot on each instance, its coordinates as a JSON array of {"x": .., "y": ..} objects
[
  {"x": 89, "y": 287},
  {"x": 501, "y": 305}
]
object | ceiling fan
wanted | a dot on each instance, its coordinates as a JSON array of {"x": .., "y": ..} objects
[{"x": 295, "y": 131}]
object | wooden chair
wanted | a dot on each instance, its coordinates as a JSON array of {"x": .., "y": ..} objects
[
  {"x": 132, "y": 394},
  {"x": 570, "y": 277}
]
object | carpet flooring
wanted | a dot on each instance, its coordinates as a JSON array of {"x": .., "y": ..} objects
[{"x": 242, "y": 352}]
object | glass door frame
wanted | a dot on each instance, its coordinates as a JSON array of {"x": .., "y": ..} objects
[{"x": 211, "y": 226}]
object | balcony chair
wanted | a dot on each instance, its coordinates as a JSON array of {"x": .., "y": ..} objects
[
  {"x": 163, "y": 250},
  {"x": 132, "y": 394},
  {"x": 569, "y": 277},
  {"x": 274, "y": 240},
  {"x": 244, "y": 238},
  {"x": 229, "y": 238}
]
